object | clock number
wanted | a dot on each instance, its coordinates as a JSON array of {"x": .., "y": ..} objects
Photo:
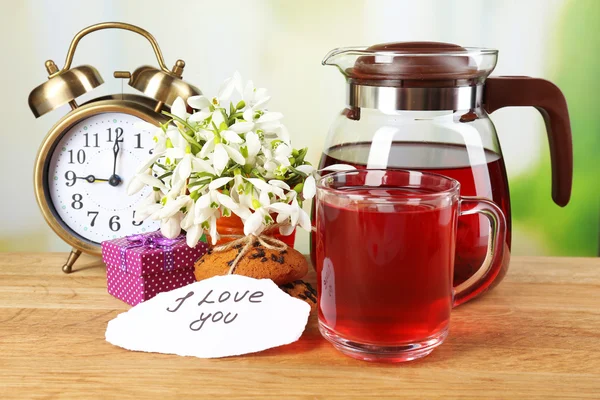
[
  {"x": 118, "y": 132},
  {"x": 151, "y": 151},
  {"x": 70, "y": 176},
  {"x": 87, "y": 144},
  {"x": 114, "y": 224},
  {"x": 95, "y": 213},
  {"x": 77, "y": 204},
  {"x": 134, "y": 221},
  {"x": 139, "y": 141},
  {"x": 80, "y": 157}
]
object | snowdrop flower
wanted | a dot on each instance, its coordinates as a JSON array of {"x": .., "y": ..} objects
[
  {"x": 255, "y": 99},
  {"x": 242, "y": 127},
  {"x": 310, "y": 186},
  {"x": 211, "y": 107},
  {"x": 222, "y": 154},
  {"x": 293, "y": 214},
  {"x": 252, "y": 146},
  {"x": 260, "y": 218},
  {"x": 184, "y": 167},
  {"x": 171, "y": 227},
  {"x": 283, "y": 152},
  {"x": 149, "y": 207},
  {"x": 173, "y": 206},
  {"x": 139, "y": 181},
  {"x": 179, "y": 110},
  {"x": 232, "y": 137},
  {"x": 212, "y": 205},
  {"x": 264, "y": 187}
]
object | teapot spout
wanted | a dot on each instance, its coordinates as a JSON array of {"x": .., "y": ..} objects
[{"x": 344, "y": 57}]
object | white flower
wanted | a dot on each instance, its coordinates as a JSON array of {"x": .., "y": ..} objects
[
  {"x": 228, "y": 157},
  {"x": 260, "y": 218},
  {"x": 198, "y": 102},
  {"x": 193, "y": 235},
  {"x": 242, "y": 127},
  {"x": 208, "y": 208},
  {"x": 183, "y": 169},
  {"x": 139, "y": 181},
  {"x": 179, "y": 109},
  {"x": 265, "y": 187},
  {"x": 232, "y": 137},
  {"x": 222, "y": 154},
  {"x": 253, "y": 147},
  {"x": 173, "y": 206},
  {"x": 292, "y": 214},
  {"x": 310, "y": 188},
  {"x": 171, "y": 227},
  {"x": 255, "y": 99},
  {"x": 283, "y": 152},
  {"x": 225, "y": 92},
  {"x": 149, "y": 207}
]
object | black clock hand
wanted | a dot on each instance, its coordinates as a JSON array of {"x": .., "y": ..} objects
[
  {"x": 114, "y": 179},
  {"x": 91, "y": 179},
  {"x": 116, "y": 149}
]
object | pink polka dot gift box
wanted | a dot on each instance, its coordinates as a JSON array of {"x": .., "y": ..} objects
[{"x": 139, "y": 267}]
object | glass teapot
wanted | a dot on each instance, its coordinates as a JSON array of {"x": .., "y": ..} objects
[{"x": 424, "y": 106}]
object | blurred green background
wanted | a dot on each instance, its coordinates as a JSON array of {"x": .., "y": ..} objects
[
  {"x": 279, "y": 44},
  {"x": 574, "y": 57}
]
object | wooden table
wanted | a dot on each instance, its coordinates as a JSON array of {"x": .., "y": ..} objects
[{"x": 535, "y": 336}]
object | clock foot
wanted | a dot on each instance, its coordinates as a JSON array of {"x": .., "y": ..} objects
[{"x": 68, "y": 267}]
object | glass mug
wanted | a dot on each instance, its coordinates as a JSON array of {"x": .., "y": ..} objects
[{"x": 385, "y": 245}]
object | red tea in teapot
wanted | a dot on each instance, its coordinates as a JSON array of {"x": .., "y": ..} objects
[{"x": 480, "y": 173}]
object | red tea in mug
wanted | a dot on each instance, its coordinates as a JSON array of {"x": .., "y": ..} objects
[
  {"x": 384, "y": 270},
  {"x": 385, "y": 244}
]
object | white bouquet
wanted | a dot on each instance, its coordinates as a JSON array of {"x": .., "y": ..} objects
[{"x": 228, "y": 156}]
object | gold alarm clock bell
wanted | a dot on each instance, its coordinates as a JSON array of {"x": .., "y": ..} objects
[{"x": 86, "y": 160}]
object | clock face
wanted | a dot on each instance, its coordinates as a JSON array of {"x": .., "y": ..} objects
[{"x": 88, "y": 174}]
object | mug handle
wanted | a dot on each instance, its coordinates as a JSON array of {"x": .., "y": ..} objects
[{"x": 486, "y": 274}]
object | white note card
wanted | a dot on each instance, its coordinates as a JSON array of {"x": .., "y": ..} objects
[{"x": 217, "y": 317}]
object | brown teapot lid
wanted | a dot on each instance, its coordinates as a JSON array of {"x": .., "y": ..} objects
[{"x": 416, "y": 64}]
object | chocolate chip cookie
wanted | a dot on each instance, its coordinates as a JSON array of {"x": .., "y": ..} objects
[
  {"x": 259, "y": 262},
  {"x": 303, "y": 291}
]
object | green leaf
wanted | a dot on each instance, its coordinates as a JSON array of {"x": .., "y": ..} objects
[
  {"x": 203, "y": 181},
  {"x": 298, "y": 172},
  {"x": 195, "y": 145},
  {"x": 234, "y": 117},
  {"x": 163, "y": 176},
  {"x": 301, "y": 155},
  {"x": 181, "y": 121},
  {"x": 225, "y": 117}
]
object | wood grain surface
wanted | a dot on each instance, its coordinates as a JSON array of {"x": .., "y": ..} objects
[{"x": 537, "y": 335}]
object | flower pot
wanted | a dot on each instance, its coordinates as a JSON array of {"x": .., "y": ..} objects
[{"x": 233, "y": 225}]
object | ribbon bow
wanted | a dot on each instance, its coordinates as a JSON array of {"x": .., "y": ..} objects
[
  {"x": 152, "y": 240},
  {"x": 266, "y": 241}
]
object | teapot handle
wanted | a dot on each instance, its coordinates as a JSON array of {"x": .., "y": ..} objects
[{"x": 546, "y": 97}]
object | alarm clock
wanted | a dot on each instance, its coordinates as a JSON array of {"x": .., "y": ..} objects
[{"x": 89, "y": 156}]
